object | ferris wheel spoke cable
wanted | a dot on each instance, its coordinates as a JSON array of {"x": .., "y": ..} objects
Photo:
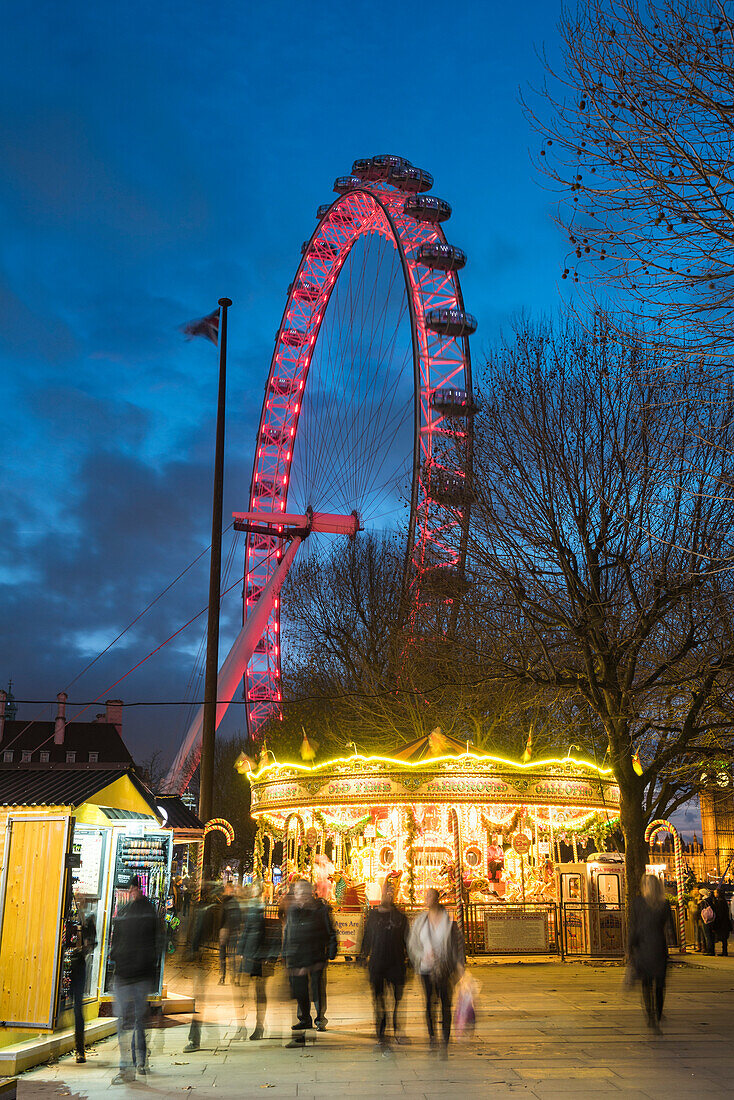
[
  {"x": 364, "y": 420},
  {"x": 387, "y": 423}
]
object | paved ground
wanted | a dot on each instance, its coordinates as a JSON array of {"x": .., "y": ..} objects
[{"x": 545, "y": 1030}]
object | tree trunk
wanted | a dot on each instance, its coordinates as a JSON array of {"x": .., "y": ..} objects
[{"x": 633, "y": 823}]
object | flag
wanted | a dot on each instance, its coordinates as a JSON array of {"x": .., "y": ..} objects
[
  {"x": 437, "y": 742},
  {"x": 244, "y": 763},
  {"x": 528, "y": 748},
  {"x": 205, "y": 326},
  {"x": 308, "y": 751}
]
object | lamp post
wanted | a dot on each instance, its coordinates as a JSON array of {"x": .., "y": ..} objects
[{"x": 206, "y": 772}]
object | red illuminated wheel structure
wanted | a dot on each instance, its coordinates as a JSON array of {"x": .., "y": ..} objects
[{"x": 368, "y": 401}]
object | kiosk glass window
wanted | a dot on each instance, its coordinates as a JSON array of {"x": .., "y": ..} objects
[
  {"x": 607, "y": 886},
  {"x": 147, "y": 855},
  {"x": 85, "y": 907}
]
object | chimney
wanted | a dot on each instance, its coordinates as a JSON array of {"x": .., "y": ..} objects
[
  {"x": 3, "y": 698},
  {"x": 60, "y": 723},
  {"x": 113, "y": 708}
]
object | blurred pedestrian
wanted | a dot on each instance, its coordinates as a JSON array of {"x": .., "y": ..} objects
[
  {"x": 694, "y": 898},
  {"x": 81, "y": 940},
  {"x": 229, "y": 921},
  {"x": 259, "y": 947},
  {"x": 648, "y": 945},
  {"x": 331, "y": 950},
  {"x": 707, "y": 917},
  {"x": 201, "y": 929},
  {"x": 308, "y": 943},
  {"x": 187, "y": 889},
  {"x": 721, "y": 926},
  {"x": 384, "y": 949},
  {"x": 135, "y": 951},
  {"x": 436, "y": 950}
]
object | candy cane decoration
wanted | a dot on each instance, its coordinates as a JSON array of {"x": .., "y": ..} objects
[
  {"x": 219, "y": 825},
  {"x": 459, "y": 880},
  {"x": 663, "y": 826}
]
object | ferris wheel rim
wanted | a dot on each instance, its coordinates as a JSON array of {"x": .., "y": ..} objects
[{"x": 375, "y": 195}]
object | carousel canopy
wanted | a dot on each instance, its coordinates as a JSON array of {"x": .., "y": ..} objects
[{"x": 432, "y": 771}]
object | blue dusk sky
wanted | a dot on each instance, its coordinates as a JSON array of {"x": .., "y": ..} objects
[{"x": 155, "y": 158}]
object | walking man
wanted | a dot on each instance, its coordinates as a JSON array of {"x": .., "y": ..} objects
[
  {"x": 135, "y": 952},
  {"x": 384, "y": 947},
  {"x": 308, "y": 943}
]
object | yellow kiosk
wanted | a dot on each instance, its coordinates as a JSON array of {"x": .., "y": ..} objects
[{"x": 69, "y": 836}]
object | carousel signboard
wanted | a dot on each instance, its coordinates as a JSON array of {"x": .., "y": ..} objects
[{"x": 367, "y": 781}]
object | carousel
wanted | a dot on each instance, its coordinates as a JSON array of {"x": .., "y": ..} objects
[{"x": 432, "y": 814}]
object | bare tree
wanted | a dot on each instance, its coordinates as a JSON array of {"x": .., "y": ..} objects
[
  {"x": 589, "y": 543},
  {"x": 354, "y": 673},
  {"x": 152, "y": 770},
  {"x": 639, "y": 133}
]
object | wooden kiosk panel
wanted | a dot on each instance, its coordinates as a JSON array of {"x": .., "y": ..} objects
[{"x": 31, "y": 900}]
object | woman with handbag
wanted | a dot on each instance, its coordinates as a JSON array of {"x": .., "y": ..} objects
[
  {"x": 707, "y": 916},
  {"x": 437, "y": 952}
]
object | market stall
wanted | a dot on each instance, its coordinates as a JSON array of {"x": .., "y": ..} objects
[{"x": 70, "y": 841}]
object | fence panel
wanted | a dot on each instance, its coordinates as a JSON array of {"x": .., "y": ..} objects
[
  {"x": 593, "y": 930},
  {"x": 511, "y": 928}
]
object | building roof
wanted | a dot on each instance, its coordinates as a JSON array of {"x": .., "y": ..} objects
[
  {"x": 81, "y": 738},
  {"x": 178, "y": 815},
  {"x": 64, "y": 785}
]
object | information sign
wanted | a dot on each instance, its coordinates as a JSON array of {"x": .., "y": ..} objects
[{"x": 521, "y": 843}]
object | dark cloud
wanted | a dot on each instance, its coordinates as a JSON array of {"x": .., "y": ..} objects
[{"x": 153, "y": 160}]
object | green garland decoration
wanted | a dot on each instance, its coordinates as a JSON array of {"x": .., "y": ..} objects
[
  {"x": 259, "y": 850},
  {"x": 347, "y": 832},
  {"x": 502, "y": 827},
  {"x": 274, "y": 830}
]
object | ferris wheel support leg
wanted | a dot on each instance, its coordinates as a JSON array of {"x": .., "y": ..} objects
[{"x": 231, "y": 672}]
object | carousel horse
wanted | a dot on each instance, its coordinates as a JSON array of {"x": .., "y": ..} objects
[{"x": 347, "y": 892}]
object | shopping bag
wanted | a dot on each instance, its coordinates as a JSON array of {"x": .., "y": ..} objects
[{"x": 465, "y": 1014}]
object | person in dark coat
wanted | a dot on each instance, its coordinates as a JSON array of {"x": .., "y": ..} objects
[
  {"x": 384, "y": 949},
  {"x": 229, "y": 923},
  {"x": 82, "y": 934},
  {"x": 721, "y": 926},
  {"x": 707, "y": 926},
  {"x": 259, "y": 946},
  {"x": 135, "y": 950},
  {"x": 648, "y": 945},
  {"x": 309, "y": 941}
]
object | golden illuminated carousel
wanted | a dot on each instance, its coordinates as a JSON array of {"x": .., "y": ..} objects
[{"x": 429, "y": 815}]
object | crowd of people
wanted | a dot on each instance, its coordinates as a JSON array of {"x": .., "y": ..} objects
[
  {"x": 304, "y": 937},
  {"x": 711, "y": 917}
]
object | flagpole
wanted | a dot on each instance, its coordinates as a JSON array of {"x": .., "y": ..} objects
[{"x": 206, "y": 767}]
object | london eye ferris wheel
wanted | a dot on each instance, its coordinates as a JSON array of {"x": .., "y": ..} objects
[{"x": 367, "y": 411}]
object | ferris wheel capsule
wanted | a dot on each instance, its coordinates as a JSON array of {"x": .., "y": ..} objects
[
  {"x": 427, "y": 208},
  {"x": 440, "y": 256},
  {"x": 410, "y": 179},
  {"x": 342, "y": 184},
  {"x": 451, "y": 322}
]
